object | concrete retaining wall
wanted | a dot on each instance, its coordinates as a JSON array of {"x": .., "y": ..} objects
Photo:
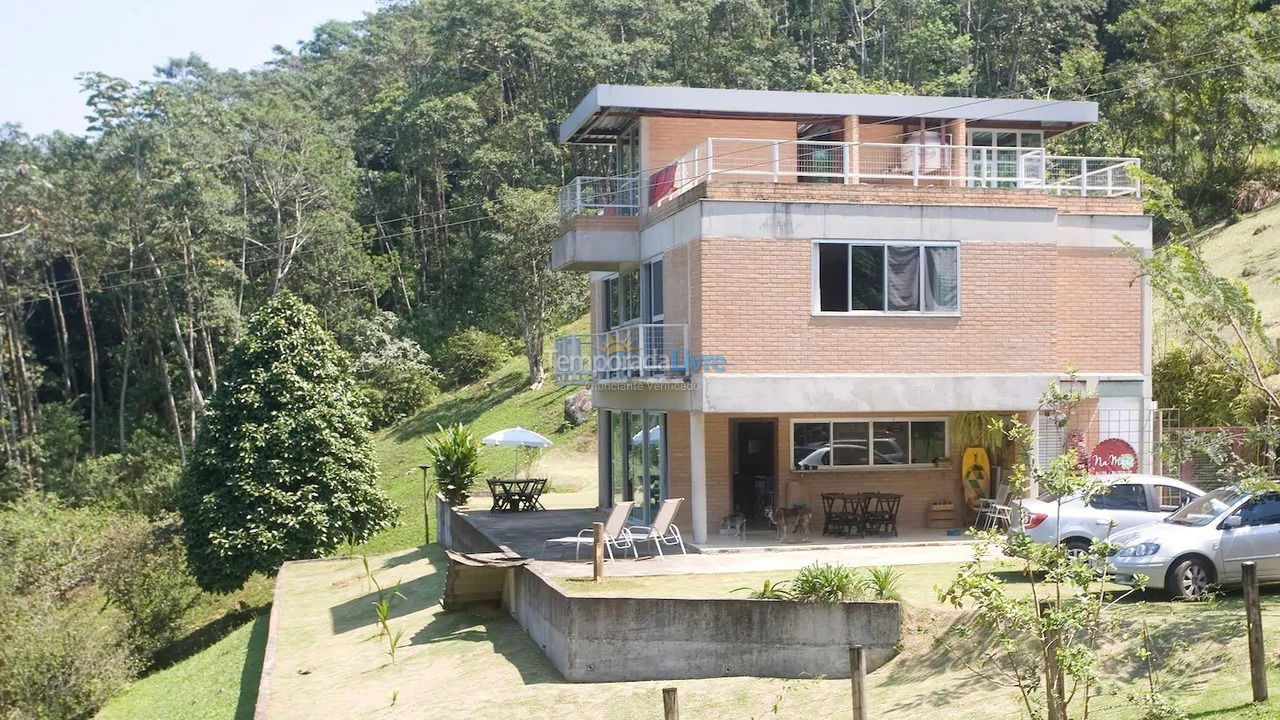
[
  {"x": 455, "y": 533},
  {"x": 606, "y": 639}
]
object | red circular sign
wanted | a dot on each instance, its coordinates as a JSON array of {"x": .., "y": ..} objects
[{"x": 1113, "y": 455}]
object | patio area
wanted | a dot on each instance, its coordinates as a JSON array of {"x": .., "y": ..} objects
[{"x": 526, "y": 533}]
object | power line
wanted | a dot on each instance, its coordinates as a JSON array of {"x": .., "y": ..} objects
[
  {"x": 377, "y": 225},
  {"x": 489, "y": 216}
]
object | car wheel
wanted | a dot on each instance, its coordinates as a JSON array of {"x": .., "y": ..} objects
[
  {"x": 1077, "y": 548},
  {"x": 1190, "y": 579}
]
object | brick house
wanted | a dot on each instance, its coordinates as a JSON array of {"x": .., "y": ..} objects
[{"x": 796, "y": 293}]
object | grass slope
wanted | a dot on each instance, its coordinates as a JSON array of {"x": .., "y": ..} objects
[
  {"x": 219, "y": 683},
  {"x": 501, "y": 400},
  {"x": 1249, "y": 249}
]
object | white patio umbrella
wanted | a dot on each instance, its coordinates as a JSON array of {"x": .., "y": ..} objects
[
  {"x": 517, "y": 437},
  {"x": 655, "y": 436}
]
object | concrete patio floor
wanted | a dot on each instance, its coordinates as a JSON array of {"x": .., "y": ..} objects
[{"x": 527, "y": 532}]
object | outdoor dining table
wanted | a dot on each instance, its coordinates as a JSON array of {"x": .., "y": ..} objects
[
  {"x": 517, "y": 495},
  {"x": 860, "y": 514}
]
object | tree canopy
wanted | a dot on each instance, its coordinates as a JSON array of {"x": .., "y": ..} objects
[{"x": 283, "y": 466}]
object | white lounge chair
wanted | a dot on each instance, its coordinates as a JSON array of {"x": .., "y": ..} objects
[
  {"x": 663, "y": 531},
  {"x": 616, "y": 535}
]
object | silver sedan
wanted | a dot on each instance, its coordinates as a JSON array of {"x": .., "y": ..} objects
[{"x": 1203, "y": 544}]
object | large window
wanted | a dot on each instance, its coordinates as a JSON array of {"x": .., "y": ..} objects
[
  {"x": 855, "y": 442},
  {"x": 622, "y": 298},
  {"x": 889, "y": 277}
]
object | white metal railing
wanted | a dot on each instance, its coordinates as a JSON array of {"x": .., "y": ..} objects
[
  {"x": 630, "y": 352},
  {"x": 619, "y": 195},
  {"x": 906, "y": 163}
]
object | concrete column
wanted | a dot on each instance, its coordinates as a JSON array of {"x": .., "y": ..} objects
[
  {"x": 851, "y": 134},
  {"x": 603, "y": 461},
  {"x": 698, "y": 476}
]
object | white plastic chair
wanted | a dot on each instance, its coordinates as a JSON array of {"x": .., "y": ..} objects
[
  {"x": 616, "y": 535},
  {"x": 663, "y": 531}
]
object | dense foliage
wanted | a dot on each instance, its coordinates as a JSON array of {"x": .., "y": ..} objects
[
  {"x": 406, "y": 163},
  {"x": 87, "y": 599},
  {"x": 283, "y": 467},
  {"x": 471, "y": 354}
]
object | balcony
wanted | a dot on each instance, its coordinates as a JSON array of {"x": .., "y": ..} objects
[
  {"x": 894, "y": 163},
  {"x": 637, "y": 353},
  {"x": 618, "y": 195}
]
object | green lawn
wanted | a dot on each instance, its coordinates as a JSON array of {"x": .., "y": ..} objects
[
  {"x": 219, "y": 683},
  {"x": 1248, "y": 249},
  {"x": 500, "y": 401}
]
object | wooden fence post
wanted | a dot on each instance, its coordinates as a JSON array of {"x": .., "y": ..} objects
[
  {"x": 858, "y": 681},
  {"x": 597, "y": 551},
  {"x": 1253, "y": 618},
  {"x": 670, "y": 704}
]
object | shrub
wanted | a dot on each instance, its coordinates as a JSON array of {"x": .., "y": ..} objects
[
  {"x": 60, "y": 659},
  {"x": 471, "y": 354},
  {"x": 884, "y": 583},
  {"x": 828, "y": 582},
  {"x": 455, "y": 457},
  {"x": 144, "y": 574},
  {"x": 283, "y": 466},
  {"x": 395, "y": 373},
  {"x": 63, "y": 651}
]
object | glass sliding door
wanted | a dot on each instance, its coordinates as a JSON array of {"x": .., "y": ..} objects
[
  {"x": 635, "y": 476},
  {"x": 617, "y": 455},
  {"x": 638, "y": 461}
]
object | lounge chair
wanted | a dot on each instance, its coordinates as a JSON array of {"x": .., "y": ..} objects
[
  {"x": 663, "y": 531},
  {"x": 616, "y": 535}
]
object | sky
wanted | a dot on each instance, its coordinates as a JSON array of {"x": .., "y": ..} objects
[{"x": 44, "y": 44}]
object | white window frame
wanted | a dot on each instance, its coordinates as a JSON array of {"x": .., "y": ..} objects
[
  {"x": 815, "y": 298},
  {"x": 969, "y": 131},
  {"x": 871, "y": 457}
]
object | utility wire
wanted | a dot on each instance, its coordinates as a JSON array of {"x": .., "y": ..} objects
[{"x": 488, "y": 216}]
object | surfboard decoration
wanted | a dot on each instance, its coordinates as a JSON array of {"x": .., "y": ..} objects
[{"x": 975, "y": 466}]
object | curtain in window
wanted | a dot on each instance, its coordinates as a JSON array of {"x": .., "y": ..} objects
[
  {"x": 942, "y": 279},
  {"x": 904, "y": 278}
]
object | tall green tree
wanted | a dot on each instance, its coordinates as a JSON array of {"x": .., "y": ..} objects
[{"x": 283, "y": 467}]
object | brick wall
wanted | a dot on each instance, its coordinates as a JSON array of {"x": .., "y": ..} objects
[
  {"x": 1097, "y": 315},
  {"x": 665, "y": 139},
  {"x": 1020, "y": 312},
  {"x": 919, "y": 486}
]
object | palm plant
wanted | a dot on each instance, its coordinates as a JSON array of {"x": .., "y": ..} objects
[
  {"x": 455, "y": 455},
  {"x": 769, "y": 591},
  {"x": 828, "y": 582},
  {"x": 885, "y": 583}
]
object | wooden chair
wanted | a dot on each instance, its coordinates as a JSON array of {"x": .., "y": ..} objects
[{"x": 881, "y": 517}]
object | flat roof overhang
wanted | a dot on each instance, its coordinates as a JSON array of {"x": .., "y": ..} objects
[{"x": 607, "y": 109}]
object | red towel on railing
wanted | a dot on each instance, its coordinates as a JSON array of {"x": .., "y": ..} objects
[{"x": 662, "y": 183}]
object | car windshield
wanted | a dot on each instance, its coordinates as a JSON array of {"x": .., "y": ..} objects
[{"x": 1205, "y": 509}]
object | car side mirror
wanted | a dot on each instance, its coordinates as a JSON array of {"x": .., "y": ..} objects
[{"x": 1232, "y": 522}]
